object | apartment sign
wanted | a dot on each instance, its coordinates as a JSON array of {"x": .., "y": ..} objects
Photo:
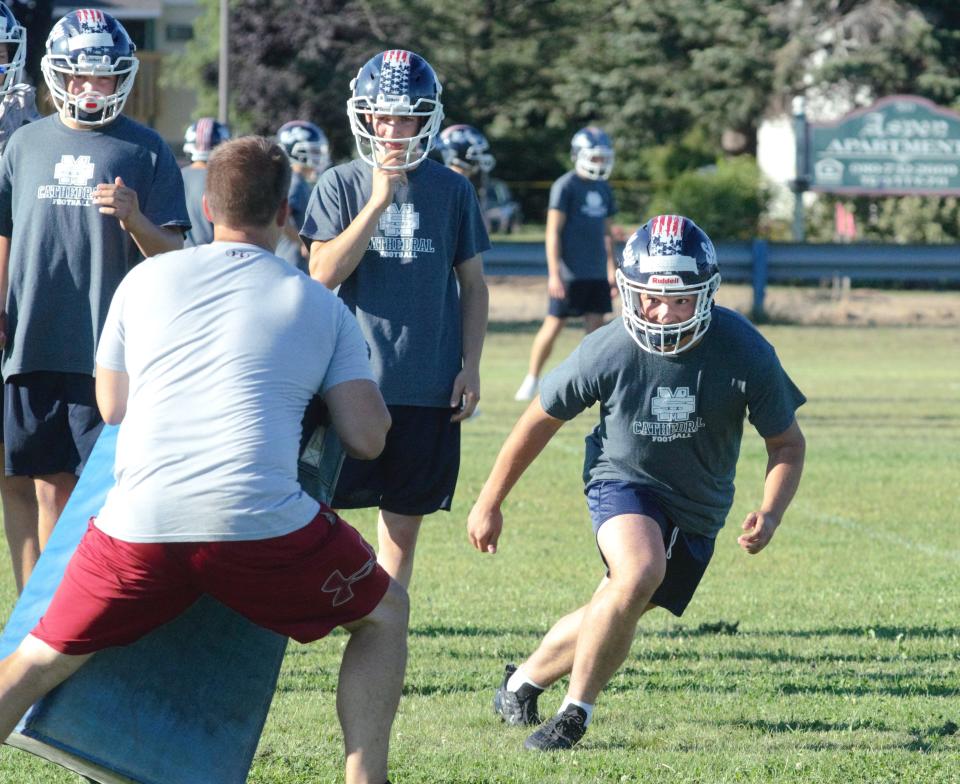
[{"x": 902, "y": 145}]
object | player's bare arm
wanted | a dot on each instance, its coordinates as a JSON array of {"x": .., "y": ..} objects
[
  {"x": 120, "y": 201},
  {"x": 333, "y": 261},
  {"x": 785, "y": 455},
  {"x": 555, "y": 223},
  {"x": 113, "y": 387},
  {"x": 474, "y": 310},
  {"x": 4, "y": 278},
  {"x": 359, "y": 416},
  {"x": 611, "y": 258},
  {"x": 528, "y": 438}
]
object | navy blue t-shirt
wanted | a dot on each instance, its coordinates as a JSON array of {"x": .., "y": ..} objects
[
  {"x": 673, "y": 424},
  {"x": 404, "y": 291},
  {"x": 66, "y": 258},
  {"x": 586, "y": 204}
]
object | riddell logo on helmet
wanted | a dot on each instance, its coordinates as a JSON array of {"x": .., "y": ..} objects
[{"x": 665, "y": 280}]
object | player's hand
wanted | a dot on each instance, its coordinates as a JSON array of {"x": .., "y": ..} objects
[
  {"x": 118, "y": 200},
  {"x": 386, "y": 182},
  {"x": 484, "y": 526},
  {"x": 758, "y": 531},
  {"x": 465, "y": 394},
  {"x": 555, "y": 287}
]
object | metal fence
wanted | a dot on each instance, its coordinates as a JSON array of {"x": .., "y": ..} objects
[{"x": 760, "y": 262}]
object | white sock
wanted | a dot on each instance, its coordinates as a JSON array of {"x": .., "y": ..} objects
[
  {"x": 519, "y": 678},
  {"x": 585, "y": 706}
]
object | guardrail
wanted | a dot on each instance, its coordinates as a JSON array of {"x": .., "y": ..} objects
[{"x": 760, "y": 262}]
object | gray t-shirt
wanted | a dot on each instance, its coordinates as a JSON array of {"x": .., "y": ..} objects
[
  {"x": 224, "y": 345},
  {"x": 66, "y": 259},
  {"x": 587, "y": 204},
  {"x": 194, "y": 183},
  {"x": 18, "y": 108},
  {"x": 674, "y": 424},
  {"x": 299, "y": 198},
  {"x": 404, "y": 291}
]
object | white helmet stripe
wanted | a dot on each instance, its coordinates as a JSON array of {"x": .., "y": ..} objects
[{"x": 667, "y": 264}]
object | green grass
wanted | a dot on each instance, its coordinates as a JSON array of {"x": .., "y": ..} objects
[{"x": 844, "y": 661}]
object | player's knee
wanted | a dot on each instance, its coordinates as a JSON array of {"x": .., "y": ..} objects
[
  {"x": 636, "y": 586},
  {"x": 396, "y": 606}
]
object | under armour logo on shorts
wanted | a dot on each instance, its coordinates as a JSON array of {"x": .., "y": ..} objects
[{"x": 342, "y": 587}]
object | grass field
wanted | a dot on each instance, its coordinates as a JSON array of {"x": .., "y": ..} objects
[{"x": 833, "y": 656}]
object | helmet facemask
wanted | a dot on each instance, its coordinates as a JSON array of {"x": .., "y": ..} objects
[
  {"x": 89, "y": 108},
  {"x": 14, "y": 38},
  {"x": 372, "y": 148},
  {"x": 668, "y": 339},
  {"x": 591, "y": 169}
]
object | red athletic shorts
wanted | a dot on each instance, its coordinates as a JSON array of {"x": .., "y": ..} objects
[{"x": 301, "y": 585}]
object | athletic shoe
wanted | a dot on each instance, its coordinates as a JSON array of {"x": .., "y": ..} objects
[
  {"x": 528, "y": 388},
  {"x": 559, "y": 732},
  {"x": 516, "y": 707}
]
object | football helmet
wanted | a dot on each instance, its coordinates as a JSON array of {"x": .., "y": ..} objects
[
  {"x": 202, "y": 136},
  {"x": 466, "y": 148},
  {"x": 89, "y": 42},
  {"x": 392, "y": 83},
  {"x": 305, "y": 143},
  {"x": 14, "y": 36},
  {"x": 592, "y": 153},
  {"x": 669, "y": 256}
]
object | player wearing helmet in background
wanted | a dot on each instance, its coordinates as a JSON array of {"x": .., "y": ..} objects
[
  {"x": 17, "y": 100},
  {"x": 309, "y": 153},
  {"x": 465, "y": 150},
  {"x": 674, "y": 377},
  {"x": 198, "y": 142},
  {"x": 579, "y": 245},
  {"x": 84, "y": 193},
  {"x": 401, "y": 236}
]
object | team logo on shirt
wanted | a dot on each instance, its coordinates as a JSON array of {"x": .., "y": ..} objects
[
  {"x": 675, "y": 411},
  {"x": 398, "y": 227},
  {"x": 72, "y": 173},
  {"x": 593, "y": 205}
]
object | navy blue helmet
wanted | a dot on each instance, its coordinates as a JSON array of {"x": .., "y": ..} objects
[
  {"x": 592, "y": 153},
  {"x": 89, "y": 42},
  {"x": 305, "y": 143},
  {"x": 202, "y": 136},
  {"x": 14, "y": 36},
  {"x": 395, "y": 83},
  {"x": 466, "y": 148},
  {"x": 669, "y": 256}
]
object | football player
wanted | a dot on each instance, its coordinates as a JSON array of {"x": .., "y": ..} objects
[
  {"x": 580, "y": 260},
  {"x": 18, "y": 104},
  {"x": 309, "y": 153},
  {"x": 401, "y": 236},
  {"x": 113, "y": 191},
  {"x": 198, "y": 142},
  {"x": 674, "y": 377}
]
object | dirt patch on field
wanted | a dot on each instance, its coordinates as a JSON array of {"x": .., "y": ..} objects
[{"x": 514, "y": 298}]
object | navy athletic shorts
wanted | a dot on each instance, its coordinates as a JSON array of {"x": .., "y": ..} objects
[
  {"x": 50, "y": 423},
  {"x": 687, "y": 554},
  {"x": 416, "y": 473},
  {"x": 583, "y": 296}
]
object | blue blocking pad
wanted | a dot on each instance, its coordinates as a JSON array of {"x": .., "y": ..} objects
[{"x": 185, "y": 704}]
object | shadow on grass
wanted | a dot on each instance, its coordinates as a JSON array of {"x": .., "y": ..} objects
[{"x": 879, "y": 632}]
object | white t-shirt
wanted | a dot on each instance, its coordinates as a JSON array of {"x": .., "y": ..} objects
[{"x": 225, "y": 345}]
